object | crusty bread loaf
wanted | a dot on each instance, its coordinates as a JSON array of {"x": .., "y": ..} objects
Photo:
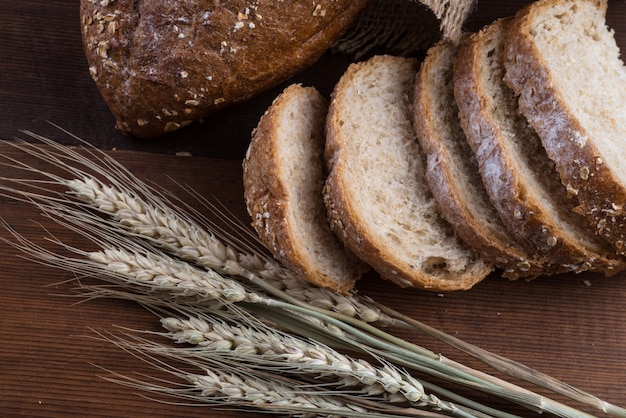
[
  {"x": 377, "y": 199},
  {"x": 452, "y": 171},
  {"x": 161, "y": 64},
  {"x": 564, "y": 64},
  {"x": 283, "y": 181},
  {"x": 520, "y": 178}
]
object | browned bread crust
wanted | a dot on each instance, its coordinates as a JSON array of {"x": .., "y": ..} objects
[
  {"x": 162, "y": 64},
  {"x": 452, "y": 171},
  {"x": 585, "y": 165},
  {"x": 283, "y": 175},
  {"x": 519, "y": 176}
]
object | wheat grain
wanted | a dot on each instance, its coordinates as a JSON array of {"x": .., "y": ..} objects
[{"x": 253, "y": 390}]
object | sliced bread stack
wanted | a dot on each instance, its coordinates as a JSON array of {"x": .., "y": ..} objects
[
  {"x": 452, "y": 171},
  {"x": 520, "y": 178},
  {"x": 378, "y": 202},
  {"x": 493, "y": 153}
]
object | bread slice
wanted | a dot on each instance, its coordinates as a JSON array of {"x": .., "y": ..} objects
[
  {"x": 576, "y": 101},
  {"x": 452, "y": 171},
  {"x": 377, "y": 199},
  {"x": 283, "y": 175},
  {"x": 520, "y": 178}
]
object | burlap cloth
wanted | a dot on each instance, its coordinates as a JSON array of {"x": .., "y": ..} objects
[{"x": 404, "y": 27}]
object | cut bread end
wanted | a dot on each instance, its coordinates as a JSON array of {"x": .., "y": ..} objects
[
  {"x": 283, "y": 181},
  {"x": 377, "y": 199},
  {"x": 581, "y": 123}
]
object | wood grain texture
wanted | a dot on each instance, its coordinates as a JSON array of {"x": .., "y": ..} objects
[{"x": 570, "y": 327}]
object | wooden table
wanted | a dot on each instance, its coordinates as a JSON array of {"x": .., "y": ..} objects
[{"x": 569, "y": 327}]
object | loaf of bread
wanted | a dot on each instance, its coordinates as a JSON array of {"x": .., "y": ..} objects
[
  {"x": 162, "y": 64},
  {"x": 575, "y": 100},
  {"x": 520, "y": 178},
  {"x": 493, "y": 153},
  {"x": 377, "y": 199},
  {"x": 452, "y": 172},
  {"x": 284, "y": 175}
]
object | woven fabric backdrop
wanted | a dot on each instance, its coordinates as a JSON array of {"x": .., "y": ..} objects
[{"x": 404, "y": 27}]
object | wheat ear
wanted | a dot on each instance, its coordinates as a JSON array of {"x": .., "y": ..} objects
[
  {"x": 184, "y": 238},
  {"x": 67, "y": 160},
  {"x": 223, "y": 384},
  {"x": 269, "y": 350},
  {"x": 287, "y": 351},
  {"x": 253, "y": 390},
  {"x": 219, "y": 386},
  {"x": 142, "y": 210},
  {"x": 131, "y": 265}
]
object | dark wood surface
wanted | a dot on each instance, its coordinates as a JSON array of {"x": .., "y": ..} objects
[{"x": 570, "y": 327}]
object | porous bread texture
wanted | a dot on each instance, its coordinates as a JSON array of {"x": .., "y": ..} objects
[
  {"x": 284, "y": 174},
  {"x": 519, "y": 176},
  {"x": 162, "y": 64},
  {"x": 378, "y": 202},
  {"x": 452, "y": 171},
  {"x": 576, "y": 102}
]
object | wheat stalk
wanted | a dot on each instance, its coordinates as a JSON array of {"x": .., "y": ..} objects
[
  {"x": 269, "y": 350},
  {"x": 189, "y": 241},
  {"x": 222, "y": 383},
  {"x": 151, "y": 218}
]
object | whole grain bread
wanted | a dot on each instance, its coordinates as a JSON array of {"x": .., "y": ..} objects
[
  {"x": 284, "y": 175},
  {"x": 520, "y": 178},
  {"x": 576, "y": 102},
  {"x": 452, "y": 172},
  {"x": 377, "y": 200},
  {"x": 162, "y": 64}
]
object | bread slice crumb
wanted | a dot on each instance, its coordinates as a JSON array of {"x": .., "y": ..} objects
[
  {"x": 576, "y": 102},
  {"x": 283, "y": 181},
  {"x": 452, "y": 171},
  {"x": 520, "y": 178},
  {"x": 378, "y": 201}
]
